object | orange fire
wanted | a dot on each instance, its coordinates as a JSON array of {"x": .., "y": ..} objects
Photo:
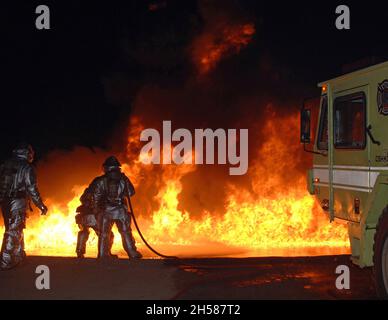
[
  {"x": 223, "y": 41},
  {"x": 274, "y": 215}
]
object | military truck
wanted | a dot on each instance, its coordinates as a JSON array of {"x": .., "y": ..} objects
[{"x": 348, "y": 136}]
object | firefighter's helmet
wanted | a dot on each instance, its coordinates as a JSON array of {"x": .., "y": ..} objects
[
  {"x": 24, "y": 151},
  {"x": 111, "y": 163}
]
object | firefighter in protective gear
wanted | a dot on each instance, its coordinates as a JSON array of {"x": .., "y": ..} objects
[
  {"x": 86, "y": 219},
  {"x": 17, "y": 187},
  {"x": 110, "y": 192}
]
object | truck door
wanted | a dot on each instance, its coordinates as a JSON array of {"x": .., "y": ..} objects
[{"x": 351, "y": 175}]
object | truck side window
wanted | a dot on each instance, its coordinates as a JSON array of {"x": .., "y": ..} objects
[
  {"x": 323, "y": 135},
  {"x": 350, "y": 121}
]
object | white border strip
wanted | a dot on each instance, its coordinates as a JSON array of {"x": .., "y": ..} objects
[
  {"x": 359, "y": 178},
  {"x": 343, "y": 187},
  {"x": 379, "y": 168},
  {"x": 352, "y": 188},
  {"x": 352, "y": 167}
]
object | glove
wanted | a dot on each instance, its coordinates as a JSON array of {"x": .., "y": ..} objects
[{"x": 43, "y": 210}]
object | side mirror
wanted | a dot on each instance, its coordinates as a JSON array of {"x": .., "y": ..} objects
[{"x": 305, "y": 128}]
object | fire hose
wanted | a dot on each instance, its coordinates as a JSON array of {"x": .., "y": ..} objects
[{"x": 141, "y": 235}]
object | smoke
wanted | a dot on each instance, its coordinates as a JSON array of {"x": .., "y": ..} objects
[
  {"x": 229, "y": 82},
  {"x": 60, "y": 171},
  {"x": 239, "y": 88},
  {"x": 230, "y": 86}
]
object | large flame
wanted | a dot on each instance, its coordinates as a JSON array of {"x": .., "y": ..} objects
[
  {"x": 274, "y": 215},
  {"x": 222, "y": 41}
]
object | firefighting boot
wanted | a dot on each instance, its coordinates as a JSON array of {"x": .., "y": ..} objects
[
  {"x": 20, "y": 255},
  {"x": 5, "y": 261},
  {"x": 82, "y": 238},
  {"x": 111, "y": 240},
  {"x": 103, "y": 248},
  {"x": 11, "y": 243},
  {"x": 129, "y": 246}
]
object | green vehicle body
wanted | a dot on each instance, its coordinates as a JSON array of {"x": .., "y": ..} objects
[{"x": 352, "y": 183}]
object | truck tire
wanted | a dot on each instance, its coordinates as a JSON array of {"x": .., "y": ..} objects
[{"x": 380, "y": 256}]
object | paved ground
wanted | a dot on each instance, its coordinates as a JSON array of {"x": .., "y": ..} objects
[{"x": 213, "y": 278}]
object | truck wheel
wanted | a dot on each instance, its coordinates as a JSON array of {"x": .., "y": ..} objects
[{"x": 380, "y": 257}]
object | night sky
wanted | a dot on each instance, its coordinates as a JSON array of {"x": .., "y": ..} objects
[{"x": 75, "y": 84}]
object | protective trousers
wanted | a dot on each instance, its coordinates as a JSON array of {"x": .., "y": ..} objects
[
  {"x": 123, "y": 224},
  {"x": 12, "y": 249}
]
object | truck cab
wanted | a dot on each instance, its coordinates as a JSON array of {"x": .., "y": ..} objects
[{"x": 349, "y": 176}]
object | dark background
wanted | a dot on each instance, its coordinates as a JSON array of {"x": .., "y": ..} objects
[{"x": 75, "y": 84}]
